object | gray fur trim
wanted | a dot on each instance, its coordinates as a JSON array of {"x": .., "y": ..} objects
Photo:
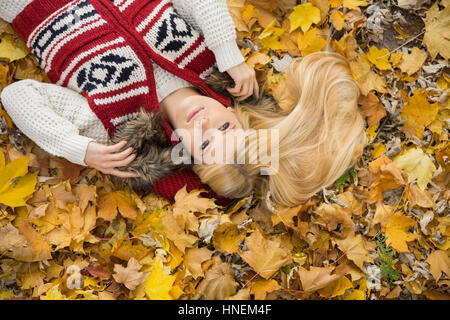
[{"x": 145, "y": 133}]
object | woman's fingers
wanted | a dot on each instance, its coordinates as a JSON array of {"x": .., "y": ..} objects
[
  {"x": 256, "y": 88},
  {"x": 122, "y": 163},
  {"x": 120, "y": 156},
  {"x": 237, "y": 88},
  {"x": 116, "y": 147},
  {"x": 123, "y": 174}
]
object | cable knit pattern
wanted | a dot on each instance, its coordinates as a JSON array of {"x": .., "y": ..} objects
[{"x": 60, "y": 120}]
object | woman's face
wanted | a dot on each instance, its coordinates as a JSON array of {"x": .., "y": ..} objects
[{"x": 206, "y": 127}]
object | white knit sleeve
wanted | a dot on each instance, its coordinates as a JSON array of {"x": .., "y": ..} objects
[
  {"x": 212, "y": 18},
  {"x": 9, "y": 9},
  {"x": 30, "y": 108}
]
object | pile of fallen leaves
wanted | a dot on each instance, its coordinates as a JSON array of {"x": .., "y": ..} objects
[{"x": 381, "y": 232}]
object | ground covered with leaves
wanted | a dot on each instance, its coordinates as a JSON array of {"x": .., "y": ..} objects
[{"x": 381, "y": 232}]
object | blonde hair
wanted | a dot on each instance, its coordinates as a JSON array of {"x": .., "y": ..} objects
[{"x": 321, "y": 133}]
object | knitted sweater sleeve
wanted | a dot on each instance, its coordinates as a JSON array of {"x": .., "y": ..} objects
[
  {"x": 29, "y": 103},
  {"x": 212, "y": 18},
  {"x": 9, "y": 9}
]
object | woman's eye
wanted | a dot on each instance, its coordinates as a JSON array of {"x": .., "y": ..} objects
[
  {"x": 205, "y": 144},
  {"x": 225, "y": 126}
]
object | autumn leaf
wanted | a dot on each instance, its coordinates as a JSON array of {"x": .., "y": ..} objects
[
  {"x": 304, "y": 16},
  {"x": 12, "y": 48},
  {"x": 261, "y": 287},
  {"x": 219, "y": 281},
  {"x": 337, "y": 19},
  {"x": 316, "y": 278},
  {"x": 266, "y": 257},
  {"x": 187, "y": 204},
  {"x": 353, "y": 247},
  {"x": 417, "y": 165},
  {"x": 15, "y": 184},
  {"x": 129, "y": 276},
  {"x": 411, "y": 63},
  {"x": 310, "y": 42},
  {"x": 158, "y": 283},
  {"x": 270, "y": 37},
  {"x": 439, "y": 263},
  {"x": 372, "y": 109},
  {"x": 336, "y": 288},
  {"x": 366, "y": 78},
  {"x": 436, "y": 31},
  {"x": 194, "y": 258},
  {"x": 418, "y": 113},
  {"x": 354, "y": 4},
  {"x": 113, "y": 201},
  {"x": 397, "y": 231},
  {"x": 379, "y": 58}
]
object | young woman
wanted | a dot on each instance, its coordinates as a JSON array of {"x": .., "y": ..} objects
[
  {"x": 110, "y": 59},
  {"x": 320, "y": 135}
]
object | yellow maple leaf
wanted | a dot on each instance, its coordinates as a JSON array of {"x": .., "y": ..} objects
[
  {"x": 379, "y": 58},
  {"x": 417, "y": 165},
  {"x": 228, "y": 240},
  {"x": 335, "y": 3},
  {"x": 436, "y": 31},
  {"x": 158, "y": 283},
  {"x": 366, "y": 78},
  {"x": 270, "y": 37},
  {"x": 310, "y": 42},
  {"x": 12, "y": 48},
  {"x": 53, "y": 294},
  {"x": 261, "y": 287},
  {"x": 304, "y": 16},
  {"x": 418, "y": 113},
  {"x": 411, "y": 63},
  {"x": 234, "y": 7},
  {"x": 354, "y": 4},
  {"x": 15, "y": 184},
  {"x": 336, "y": 288},
  {"x": 337, "y": 19},
  {"x": 194, "y": 258},
  {"x": 397, "y": 231}
]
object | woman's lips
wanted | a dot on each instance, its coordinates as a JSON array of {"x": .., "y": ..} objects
[{"x": 193, "y": 113}]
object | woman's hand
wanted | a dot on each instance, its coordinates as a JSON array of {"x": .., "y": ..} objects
[
  {"x": 245, "y": 81},
  {"x": 107, "y": 158}
]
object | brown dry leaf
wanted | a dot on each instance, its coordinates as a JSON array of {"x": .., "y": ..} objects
[
  {"x": 372, "y": 109},
  {"x": 62, "y": 197},
  {"x": 411, "y": 63},
  {"x": 234, "y": 6},
  {"x": 330, "y": 215},
  {"x": 316, "y": 278},
  {"x": 421, "y": 198},
  {"x": 187, "y": 204},
  {"x": 436, "y": 31},
  {"x": 129, "y": 276},
  {"x": 193, "y": 259},
  {"x": 439, "y": 263},
  {"x": 265, "y": 256},
  {"x": 109, "y": 203},
  {"x": 382, "y": 214},
  {"x": 353, "y": 247},
  {"x": 219, "y": 281},
  {"x": 385, "y": 176},
  {"x": 176, "y": 233},
  {"x": 84, "y": 194}
]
